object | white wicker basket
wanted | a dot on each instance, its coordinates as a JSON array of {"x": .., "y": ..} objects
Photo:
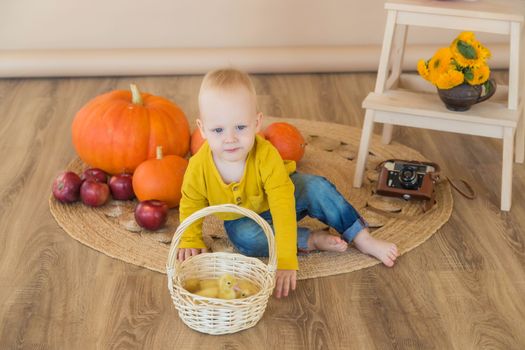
[{"x": 219, "y": 316}]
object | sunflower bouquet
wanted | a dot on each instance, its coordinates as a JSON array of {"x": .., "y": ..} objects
[{"x": 464, "y": 61}]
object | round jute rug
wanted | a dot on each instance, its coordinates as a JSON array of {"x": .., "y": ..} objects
[{"x": 331, "y": 152}]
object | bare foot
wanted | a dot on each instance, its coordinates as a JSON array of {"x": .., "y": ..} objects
[
  {"x": 382, "y": 250},
  {"x": 323, "y": 240}
]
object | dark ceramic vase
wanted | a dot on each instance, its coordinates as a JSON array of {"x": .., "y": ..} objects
[{"x": 461, "y": 97}]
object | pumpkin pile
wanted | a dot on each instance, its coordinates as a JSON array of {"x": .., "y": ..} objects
[{"x": 136, "y": 143}]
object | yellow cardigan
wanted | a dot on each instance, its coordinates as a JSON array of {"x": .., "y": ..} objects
[{"x": 265, "y": 184}]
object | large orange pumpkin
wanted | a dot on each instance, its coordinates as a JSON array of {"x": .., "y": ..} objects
[
  {"x": 119, "y": 130},
  {"x": 160, "y": 178},
  {"x": 287, "y": 139}
]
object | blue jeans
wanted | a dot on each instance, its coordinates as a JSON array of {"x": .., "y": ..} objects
[{"x": 316, "y": 197}]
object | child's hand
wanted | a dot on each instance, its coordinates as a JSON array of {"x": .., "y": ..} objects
[
  {"x": 185, "y": 253},
  {"x": 284, "y": 282}
]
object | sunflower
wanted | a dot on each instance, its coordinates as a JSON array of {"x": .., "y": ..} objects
[
  {"x": 422, "y": 68},
  {"x": 467, "y": 51},
  {"x": 450, "y": 79},
  {"x": 484, "y": 52},
  {"x": 440, "y": 63},
  {"x": 478, "y": 75},
  {"x": 467, "y": 37}
]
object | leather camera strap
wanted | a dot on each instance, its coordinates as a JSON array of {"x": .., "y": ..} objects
[
  {"x": 471, "y": 193},
  {"x": 389, "y": 214},
  {"x": 426, "y": 205}
]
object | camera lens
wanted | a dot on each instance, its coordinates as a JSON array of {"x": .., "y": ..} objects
[{"x": 408, "y": 176}]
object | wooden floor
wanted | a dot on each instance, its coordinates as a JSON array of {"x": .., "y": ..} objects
[{"x": 462, "y": 289}]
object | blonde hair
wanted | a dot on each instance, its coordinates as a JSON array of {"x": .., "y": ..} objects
[{"x": 227, "y": 79}]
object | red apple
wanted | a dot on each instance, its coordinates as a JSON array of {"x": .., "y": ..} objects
[
  {"x": 151, "y": 214},
  {"x": 66, "y": 187},
  {"x": 94, "y": 174},
  {"x": 121, "y": 186},
  {"x": 94, "y": 193}
]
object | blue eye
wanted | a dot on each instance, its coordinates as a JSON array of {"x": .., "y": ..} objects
[
  {"x": 217, "y": 130},
  {"x": 241, "y": 127}
]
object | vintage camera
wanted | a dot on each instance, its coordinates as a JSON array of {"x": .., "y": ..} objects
[{"x": 406, "y": 179}]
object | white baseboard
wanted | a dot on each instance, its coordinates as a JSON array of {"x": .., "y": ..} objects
[{"x": 127, "y": 62}]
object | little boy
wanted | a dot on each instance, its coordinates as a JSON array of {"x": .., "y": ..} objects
[{"x": 238, "y": 166}]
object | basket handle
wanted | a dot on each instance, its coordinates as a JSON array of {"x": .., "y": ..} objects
[{"x": 172, "y": 264}]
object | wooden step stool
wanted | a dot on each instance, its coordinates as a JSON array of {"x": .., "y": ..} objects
[{"x": 401, "y": 99}]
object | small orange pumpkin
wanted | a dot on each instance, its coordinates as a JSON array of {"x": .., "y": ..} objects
[
  {"x": 160, "y": 178},
  {"x": 287, "y": 139},
  {"x": 196, "y": 141},
  {"x": 119, "y": 130}
]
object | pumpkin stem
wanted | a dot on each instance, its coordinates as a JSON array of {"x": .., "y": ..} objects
[
  {"x": 136, "y": 97},
  {"x": 159, "y": 152}
]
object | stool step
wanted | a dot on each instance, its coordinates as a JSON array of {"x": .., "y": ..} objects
[
  {"x": 429, "y": 105},
  {"x": 509, "y": 10}
]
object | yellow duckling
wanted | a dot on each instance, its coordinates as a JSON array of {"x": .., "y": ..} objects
[
  {"x": 209, "y": 283},
  {"x": 226, "y": 285},
  {"x": 192, "y": 285},
  {"x": 245, "y": 288},
  {"x": 211, "y": 292}
]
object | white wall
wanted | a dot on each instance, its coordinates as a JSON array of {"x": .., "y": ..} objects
[{"x": 32, "y": 27}]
